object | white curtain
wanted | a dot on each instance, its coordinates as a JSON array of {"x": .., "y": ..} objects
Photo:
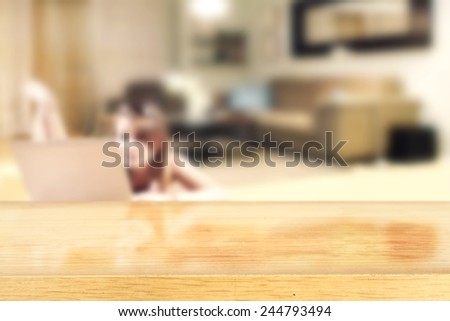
[{"x": 15, "y": 65}]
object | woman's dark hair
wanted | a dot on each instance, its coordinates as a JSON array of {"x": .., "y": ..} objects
[{"x": 138, "y": 95}]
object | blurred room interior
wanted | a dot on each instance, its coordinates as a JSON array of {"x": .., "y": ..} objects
[{"x": 373, "y": 72}]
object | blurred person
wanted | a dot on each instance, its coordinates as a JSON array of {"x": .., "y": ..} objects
[
  {"x": 145, "y": 123},
  {"x": 47, "y": 123},
  {"x": 140, "y": 115}
]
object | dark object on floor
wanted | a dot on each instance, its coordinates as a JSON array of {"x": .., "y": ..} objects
[{"x": 409, "y": 144}]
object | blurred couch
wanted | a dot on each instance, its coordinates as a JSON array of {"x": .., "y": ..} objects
[{"x": 361, "y": 111}]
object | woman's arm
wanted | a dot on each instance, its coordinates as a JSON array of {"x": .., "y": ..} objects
[{"x": 199, "y": 187}]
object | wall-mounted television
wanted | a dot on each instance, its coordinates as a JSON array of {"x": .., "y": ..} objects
[{"x": 318, "y": 26}]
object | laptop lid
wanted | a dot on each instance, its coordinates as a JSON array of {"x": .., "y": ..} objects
[{"x": 70, "y": 171}]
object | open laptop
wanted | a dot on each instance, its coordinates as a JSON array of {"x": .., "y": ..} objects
[{"x": 70, "y": 171}]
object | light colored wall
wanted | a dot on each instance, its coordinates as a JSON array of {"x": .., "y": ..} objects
[
  {"x": 129, "y": 39},
  {"x": 249, "y": 17}
]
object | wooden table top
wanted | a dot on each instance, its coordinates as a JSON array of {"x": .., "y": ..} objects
[{"x": 221, "y": 241}]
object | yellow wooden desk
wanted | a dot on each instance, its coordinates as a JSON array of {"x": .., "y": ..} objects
[{"x": 225, "y": 251}]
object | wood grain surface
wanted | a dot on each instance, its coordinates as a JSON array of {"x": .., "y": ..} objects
[{"x": 225, "y": 251}]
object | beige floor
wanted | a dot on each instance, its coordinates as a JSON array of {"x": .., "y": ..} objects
[{"x": 381, "y": 181}]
